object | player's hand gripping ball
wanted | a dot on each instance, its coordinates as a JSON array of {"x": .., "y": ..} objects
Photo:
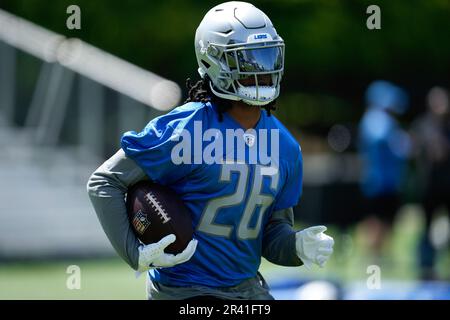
[{"x": 162, "y": 223}]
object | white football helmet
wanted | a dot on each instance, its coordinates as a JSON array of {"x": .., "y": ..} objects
[{"x": 234, "y": 41}]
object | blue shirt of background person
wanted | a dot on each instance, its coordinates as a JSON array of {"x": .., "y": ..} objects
[{"x": 383, "y": 145}]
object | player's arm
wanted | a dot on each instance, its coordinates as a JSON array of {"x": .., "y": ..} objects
[
  {"x": 279, "y": 239},
  {"x": 281, "y": 243},
  {"x": 284, "y": 246},
  {"x": 107, "y": 187}
]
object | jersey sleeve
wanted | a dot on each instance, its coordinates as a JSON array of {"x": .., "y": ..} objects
[
  {"x": 152, "y": 148},
  {"x": 291, "y": 191}
]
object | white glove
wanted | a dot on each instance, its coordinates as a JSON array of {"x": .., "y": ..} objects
[
  {"x": 313, "y": 246},
  {"x": 153, "y": 255}
]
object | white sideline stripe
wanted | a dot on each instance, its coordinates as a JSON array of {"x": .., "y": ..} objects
[{"x": 89, "y": 61}]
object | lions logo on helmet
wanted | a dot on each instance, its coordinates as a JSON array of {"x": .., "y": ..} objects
[{"x": 235, "y": 41}]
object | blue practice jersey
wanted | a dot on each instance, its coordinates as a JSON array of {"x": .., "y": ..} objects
[
  {"x": 383, "y": 147},
  {"x": 231, "y": 198}
]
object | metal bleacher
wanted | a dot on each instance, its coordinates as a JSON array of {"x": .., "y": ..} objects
[{"x": 44, "y": 211}]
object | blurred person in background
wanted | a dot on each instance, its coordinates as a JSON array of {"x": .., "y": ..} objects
[
  {"x": 431, "y": 138},
  {"x": 383, "y": 147}
]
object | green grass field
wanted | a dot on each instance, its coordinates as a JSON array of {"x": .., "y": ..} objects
[{"x": 113, "y": 279}]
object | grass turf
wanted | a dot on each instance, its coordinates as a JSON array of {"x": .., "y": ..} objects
[{"x": 113, "y": 279}]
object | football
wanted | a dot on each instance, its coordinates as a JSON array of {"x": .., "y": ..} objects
[{"x": 156, "y": 211}]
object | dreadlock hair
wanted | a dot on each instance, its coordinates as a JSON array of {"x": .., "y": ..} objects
[{"x": 201, "y": 92}]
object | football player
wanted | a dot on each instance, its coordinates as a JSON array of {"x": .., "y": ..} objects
[{"x": 241, "y": 209}]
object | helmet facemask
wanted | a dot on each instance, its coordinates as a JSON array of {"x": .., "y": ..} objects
[{"x": 243, "y": 61}]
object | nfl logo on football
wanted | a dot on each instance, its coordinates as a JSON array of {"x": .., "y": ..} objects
[{"x": 140, "y": 222}]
